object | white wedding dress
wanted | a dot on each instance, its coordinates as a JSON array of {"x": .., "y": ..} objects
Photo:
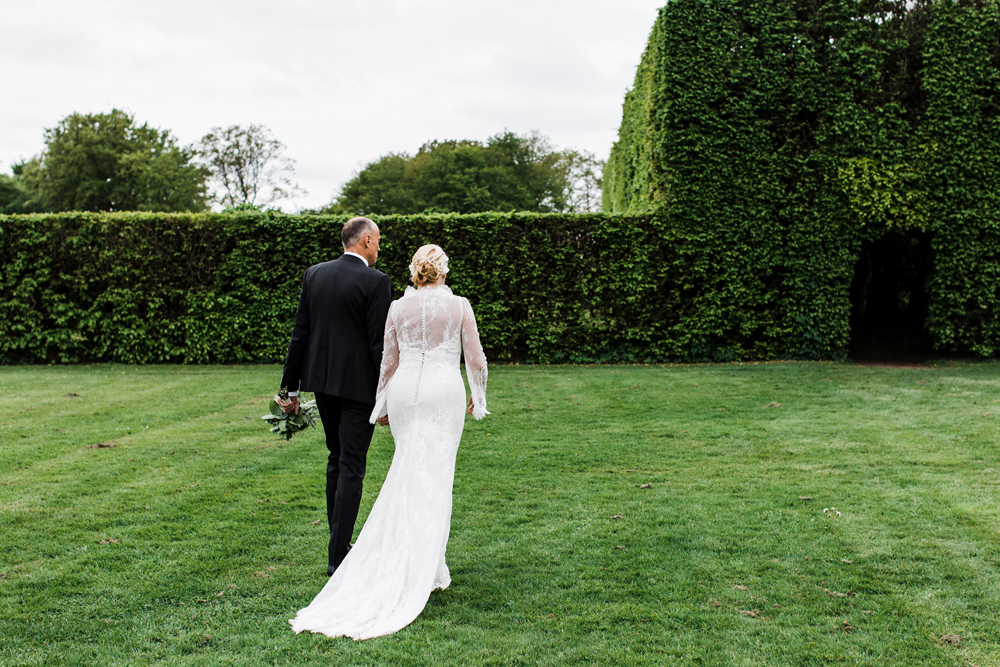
[{"x": 398, "y": 559}]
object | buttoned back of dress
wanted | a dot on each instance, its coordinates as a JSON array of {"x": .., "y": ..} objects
[{"x": 432, "y": 325}]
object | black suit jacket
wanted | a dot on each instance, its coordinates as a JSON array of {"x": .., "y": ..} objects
[{"x": 336, "y": 346}]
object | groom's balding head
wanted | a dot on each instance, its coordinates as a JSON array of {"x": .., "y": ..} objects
[
  {"x": 354, "y": 231},
  {"x": 361, "y": 236}
]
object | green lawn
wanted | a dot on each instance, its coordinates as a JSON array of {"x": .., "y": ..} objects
[{"x": 603, "y": 515}]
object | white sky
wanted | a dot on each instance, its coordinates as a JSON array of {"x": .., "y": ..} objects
[{"x": 341, "y": 82}]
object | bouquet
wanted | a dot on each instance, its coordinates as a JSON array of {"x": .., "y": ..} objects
[{"x": 288, "y": 424}]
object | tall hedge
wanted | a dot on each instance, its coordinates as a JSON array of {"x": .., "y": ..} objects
[
  {"x": 787, "y": 132},
  {"x": 962, "y": 129},
  {"x": 199, "y": 288},
  {"x": 763, "y": 143},
  {"x": 223, "y": 288}
]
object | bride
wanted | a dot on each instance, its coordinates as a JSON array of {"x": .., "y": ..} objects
[{"x": 398, "y": 559}]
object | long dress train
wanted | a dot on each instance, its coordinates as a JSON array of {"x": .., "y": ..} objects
[{"x": 399, "y": 557}]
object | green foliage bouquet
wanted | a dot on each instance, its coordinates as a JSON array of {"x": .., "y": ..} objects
[{"x": 288, "y": 424}]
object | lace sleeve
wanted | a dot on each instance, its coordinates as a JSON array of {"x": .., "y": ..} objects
[
  {"x": 475, "y": 361},
  {"x": 390, "y": 360}
]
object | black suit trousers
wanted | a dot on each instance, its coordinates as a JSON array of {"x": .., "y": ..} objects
[{"x": 348, "y": 436}]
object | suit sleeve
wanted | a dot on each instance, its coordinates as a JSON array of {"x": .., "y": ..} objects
[
  {"x": 292, "y": 373},
  {"x": 378, "y": 309}
]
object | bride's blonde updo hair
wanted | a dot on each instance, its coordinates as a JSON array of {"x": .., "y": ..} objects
[{"x": 429, "y": 264}]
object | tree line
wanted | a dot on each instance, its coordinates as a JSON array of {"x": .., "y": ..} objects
[
  {"x": 509, "y": 172},
  {"x": 109, "y": 162}
]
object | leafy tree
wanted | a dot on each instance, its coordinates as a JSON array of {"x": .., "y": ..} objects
[
  {"x": 508, "y": 172},
  {"x": 387, "y": 185},
  {"x": 10, "y": 195},
  {"x": 105, "y": 162},
  {"x": 15, "y": 194},
  {"x": 248, "y": 166},
  {"x": 585, "y": 174}
]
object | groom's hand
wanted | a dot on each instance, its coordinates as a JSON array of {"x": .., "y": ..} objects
[
  {"x": 291, "y": 404},
  {"x": 383, "y": 421}
]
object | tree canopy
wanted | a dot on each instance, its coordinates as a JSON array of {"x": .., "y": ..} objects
[
  {"x": 106, "y": 162},
  {"x": 509, "y": 172},
  {"x": 248, "y": 166},
  {"x": 16, "y": 196}
]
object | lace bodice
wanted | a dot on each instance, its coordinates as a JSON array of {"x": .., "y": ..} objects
[{"x": 432, "y": 326}]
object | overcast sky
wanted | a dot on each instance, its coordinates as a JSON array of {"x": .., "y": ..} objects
[{"x": 339, "y": 82}]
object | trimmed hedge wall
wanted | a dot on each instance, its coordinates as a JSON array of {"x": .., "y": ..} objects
[
  {"x": 762, "y": 143},
  {"x": 199, "y": 288},
  {"x": 962, "y": 124},
  {"x": 788, "y": 132}
]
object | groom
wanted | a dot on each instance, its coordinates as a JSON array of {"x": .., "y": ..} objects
[{"x": 336, "y": 351}]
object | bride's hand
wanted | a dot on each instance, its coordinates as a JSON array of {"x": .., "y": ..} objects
[
  {"x": 469, "y": 411},
  {"x": 383, "y": 421}
]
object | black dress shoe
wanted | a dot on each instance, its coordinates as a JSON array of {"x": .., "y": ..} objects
[{"x": 333, "y": 568}]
